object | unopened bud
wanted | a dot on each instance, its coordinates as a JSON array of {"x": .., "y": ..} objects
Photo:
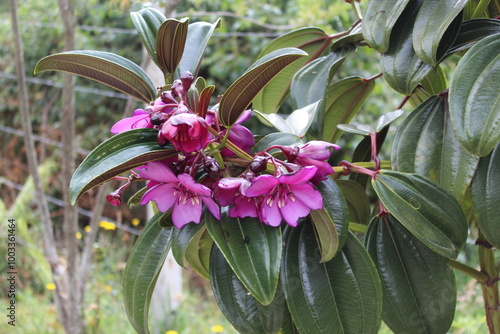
[
  {"x": 167, "y": 98},
  {"x": 177, "y": 88},
  {"x": 259, "y": 164},
  {"x": 158, "y": 118},
  {"x": 187, "y": 79},
  {"x": 115, "y": 198},
  {"x": 212, "y": 167}
]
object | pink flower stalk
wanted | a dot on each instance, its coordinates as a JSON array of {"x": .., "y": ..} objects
[
  {"x": 180, "y": 192},
  {"x": 186, "y": 132},
  {"x": 286, "y": 197},
  {"x": 314, "y": 153}
]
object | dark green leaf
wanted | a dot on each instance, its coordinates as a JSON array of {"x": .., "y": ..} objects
[
  {"x": 343, "y": 294},
  {"x": 486, "y": 196},
  {"x": 147, "y": 21},
  {"x": 181, "y": 238},
  {"x": 310, "y": 82},
  {"x": 355, "y": 36},
  {"x": 419, "y": 293},
  {"x": 136, "y": 198},
  {"x": 198, "y": 251},
  {"x": 344, "y": 99},
  {"x": 401, "y": 67},
  {"x": 240, "y": 94},
  {"x": 425, "y": 208},
  {"x": 142, "y": 270},
  {"x": 475, "y": 97},
  {"x": 436, "y": 27},
  {"x": 311, "y": 40},
  {"x": 378, "y": 21},
  {"x": 357, "y": 201},
  {"x": 252, "y": 249},
  {"x": 118, "y": 154},
  {"x": 170, "y": 44},
  {"x": 242, "y": 310},
  {"x": 104, "y": 67},
  {"x": 435, "y": 82},
  {"x": 198, "y": 35},
  {"x": 472, "y": 31},
  {"x": 425, "y": 143}
]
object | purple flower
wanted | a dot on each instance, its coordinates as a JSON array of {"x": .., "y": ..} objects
[
  {"x": 140, "y": 119},
  {"x": 231, "y": 190},
  {"x": 180, "y": 192},
  {"x": 314, "y": 153},
  {"x": 239, "y": 135},
  {"x": 286, "y": 197},
  {"x": 186, "y": 132}
]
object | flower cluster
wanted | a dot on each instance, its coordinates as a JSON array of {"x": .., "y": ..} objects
[{"x": 212, "y": 168}]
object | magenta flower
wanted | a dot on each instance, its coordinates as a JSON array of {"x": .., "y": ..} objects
[
  {"x": 314, "y": 153},
  {"x": 180, "y": 192},
  {"x": 238, "y": 135},
  {"x": 286, "y": 197},
  {"x": 186, "y": 132},
  {"x": 231, "y": 190},
  {"x": 139, "y": 119}
]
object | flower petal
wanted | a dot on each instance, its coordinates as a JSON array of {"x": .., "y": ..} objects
[
  {"x": 293, "y": 211},
  {"x": 129, "y": 123},
  {"x": 303, "y": 175},
  {"x": 185, "y": 212},
  {"x": 308, "y": 195},
  {"x": 158, "y": 172},
  {"x": 261, "y": 185},
  {"x": 271, "y": 215},
  {"x": 187, "y": 181},
  {"x": 162, "y": 194},
  {"x": 244, "y": 207},
  {"x": 211, "y": 206}
]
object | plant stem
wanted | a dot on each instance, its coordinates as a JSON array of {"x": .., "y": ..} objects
[
  {"x": 481, "y": 6},
  {"x": 490, "y": 290},
  {"x": 356, "y": 10},
  {"x": 355, "y": 227},
  {"x": 469, "y": 271}
]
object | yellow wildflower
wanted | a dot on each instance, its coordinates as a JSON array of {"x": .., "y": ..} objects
[
  {"x": 217, "y": 329},
  {"x": 50, "y": 286},
  {"x": 135, "y": 221},
  {"x": 107, "y": 225},
  {"x": 78, "y": 235}
]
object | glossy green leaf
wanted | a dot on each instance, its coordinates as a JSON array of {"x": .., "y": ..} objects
[
  {"x": 108, "y": 68},
  {"x": 472, "y": 31},
  {"x": 276, "y": 138},
  {"x": 358, "y": 203},
  {"x": 198, "y": 251},
  {"x": 378, "y": 21},
  {"x": 198, "y": 35},
  {"x": 240, "y": 94},
  {"x": 313, "y": 41},
  {"x": 252, "y": 249},
  {"x": 435, "y": 81},
  {"x": 118, "y": 154},
  {"x": 365, "y": 129},
  {"x": 425, "y": 143},
  {"x": 181, "y": 238},
  {"x": 136, "y": 198},
  {"x": 436, "y": 27},
  {"x": 419, "y": 292},
  {"x": 142, "y": 270},
  {"x": 475, "y": 97},
  {"x": 170, "y": 44},
  {"x": 486, "y": 196},
  {"x": 147, "y": 21},
  {"x": 344, "y": 99},
  {"x": 332, "y": 221},
  {"x": 355, "y": 36},
  {"x": 297, "y": 123},
  {"x": 342, "y": 295},
  {"x": 425, "y": 209},
  {"x": 242, "y": 310},
  {"x": 310, "y": 82},
  {"x": 402, "y": 68}
]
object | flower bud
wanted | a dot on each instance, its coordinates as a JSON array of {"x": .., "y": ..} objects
[
  {"x": 258, "y": 164},
  {"x": 167, "y": 97},
  {"x": 177, "y": 88},
  {"x": 186, "y": 79},
  {"x": 115, "y": 198},
  {"x": 211, "y": 166}
]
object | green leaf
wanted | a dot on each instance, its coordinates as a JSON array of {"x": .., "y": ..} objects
[
  {"x": 118, "y": 154},
  {"x": 252, "y": 249},
  {"x": 425, "y": 143},
  {"x": 472, "y": 31},
  {"x": 242, "y": 310},
  {"x": 436, "y": 27},
  {"x": 181, "y": 238},
  {"x": 332, "y": 221},
  {"x": 198, "y": 251},
  {"x": 357, "y": 201},
  {"x": 276, "y": 138},
  {"x": 402, "y": 68},
  {"x": 354, "y": 37},
  {"x": 240, "y": 94},
  {"x": 344, "y": 99},
  {"x": 310, "y": 82},
  {"x": 419, "y": 293},
  {"x": 313, "y": 41},
  {"x": 297, "y": 123},
  {"x": 486, "y": 196},
  {"x": 170, "y": 44},
  {"x": 104, "y": 67},
  {"x": 136, "y": 198},
  {"x": 435, "y": 82},
  {"x": 475, "y": 97},
  {"x": 425, "y": 208},
  {"x": 343, "y": 294},
  {"x": 198, "y": 35},
  {"x": 142, "y": 270},
  {"x": 365, "y": 130},
  {"x": 378, "y": 21},
  {"x": 147, "y": 22}
]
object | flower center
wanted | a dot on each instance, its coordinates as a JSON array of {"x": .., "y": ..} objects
[
  {"x": 281, "y": 194},
  {"x": 184, "y": 195}
]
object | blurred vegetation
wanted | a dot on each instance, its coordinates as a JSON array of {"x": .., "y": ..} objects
[{"x": 106, "y": 26}]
